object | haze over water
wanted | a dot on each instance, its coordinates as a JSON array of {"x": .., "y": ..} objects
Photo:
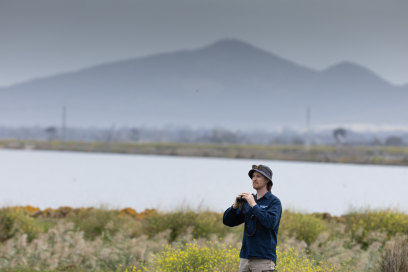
[{"x": 53, "y": 179}]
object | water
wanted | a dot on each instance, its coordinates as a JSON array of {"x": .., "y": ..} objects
[{"x": 52, "y": 179}]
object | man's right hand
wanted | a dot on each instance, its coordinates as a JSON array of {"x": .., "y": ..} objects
[{"x": 236, "y": 205}]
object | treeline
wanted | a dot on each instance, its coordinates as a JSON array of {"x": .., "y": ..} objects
[{"x": 337, "y": 136}]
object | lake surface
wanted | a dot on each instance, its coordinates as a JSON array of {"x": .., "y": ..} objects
[{"x": 52, "y": 179}]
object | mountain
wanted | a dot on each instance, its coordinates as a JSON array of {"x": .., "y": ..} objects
[{"x": 229, "y": 83}]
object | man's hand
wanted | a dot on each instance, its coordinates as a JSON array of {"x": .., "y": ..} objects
[
  {"x": 236, "y": 204},
  {"x": 249, "y": 198}
]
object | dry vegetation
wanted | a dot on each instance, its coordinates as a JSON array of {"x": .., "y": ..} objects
[{"x": 89, "y": 239}]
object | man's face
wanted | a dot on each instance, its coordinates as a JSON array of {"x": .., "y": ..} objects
[{"x": 258, "y": 181}]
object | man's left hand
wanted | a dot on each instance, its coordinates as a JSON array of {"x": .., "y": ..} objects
[{"x": 249, "y": 198}]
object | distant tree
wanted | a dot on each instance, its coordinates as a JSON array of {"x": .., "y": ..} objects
[
  {"x": 375, "y": 141},
  {"x": 394, "y": 141},
  {"x": 107, "y": 135},
  {"x": 298, "y": 141},
  {"x": 51, "y": 133},
  {"x": 186, "y": 136},
  {"x": 339, "y": 135},
  {"x": 278, "y": 141},
  {"x": 223, "y": 136},
  {"x": 134, "y": 134}
]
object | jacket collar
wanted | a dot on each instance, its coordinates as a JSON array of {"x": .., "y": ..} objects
[{"x": 267, "y": 195}]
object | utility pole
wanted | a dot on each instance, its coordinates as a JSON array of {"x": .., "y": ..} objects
[
  {"x": 308, "y": 128},
  {"x": 63, "y": 123}
]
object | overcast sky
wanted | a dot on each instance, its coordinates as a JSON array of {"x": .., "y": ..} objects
[{"x": 46, "y": 37}]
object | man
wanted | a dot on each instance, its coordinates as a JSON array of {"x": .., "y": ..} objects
[{"x": 261, "y": 214}]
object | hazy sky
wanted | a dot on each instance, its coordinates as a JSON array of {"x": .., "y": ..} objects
[{"x": 46, "y": 37}]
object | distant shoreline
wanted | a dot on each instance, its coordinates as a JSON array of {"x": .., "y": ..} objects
[{"x": 377, "y": 155}]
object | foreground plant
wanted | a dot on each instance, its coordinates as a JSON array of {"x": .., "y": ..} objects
[
  {"x": 193, "y": 257},
  {"x": 89, "y": 239},
  {"x": 291, "y": 261},
  {"x": 395, "y": 257}
]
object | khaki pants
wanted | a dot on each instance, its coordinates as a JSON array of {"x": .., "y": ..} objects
[{"x": 256, "y": 265}]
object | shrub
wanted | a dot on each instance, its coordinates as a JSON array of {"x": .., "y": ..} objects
[
  {"x": 106, "y": 223},
  {"x": 208, "y": 223},
  {"x": 210, "y": 257},
  {"x": 290, "y": 261},
  {"x": 203, "y": 223},
  {"x": 304, "y": 227},
  {"x": 177, "y": 222},
  {"x": 360, "y": 224},
  {"x": 63, "y": 212},
  {"x": 95, "y": 222},
  {"x": 395, "y": 258},
  {"x": 216, "y": 257},
  {"x": 131, "y": 212},
  {"x": 14, "y": 220}
]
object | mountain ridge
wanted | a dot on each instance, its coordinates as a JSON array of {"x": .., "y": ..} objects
[
  {"x": 179, "y": 87},
  {"x": 223, "y": 42}
]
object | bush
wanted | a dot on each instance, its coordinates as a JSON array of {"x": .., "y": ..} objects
[
  {"x": 290, "y": 261},
  {"x": 216, "y": 257},
  {"x": 360, "y": 224},
  {"x": 95, "y": 222},
  {"x": 203, "y": 223},
  {"x": 395, "y": 258},
  {"x": 208, "y": 223},
  {"x": 177, "y": 222},
  {"x": 210, "y": 257},
  {"x": 304, "y": 227},
  {"x": 14, "y": 220}
]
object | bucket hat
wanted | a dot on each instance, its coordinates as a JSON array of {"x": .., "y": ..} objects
[{"x": 263, "y": 169}]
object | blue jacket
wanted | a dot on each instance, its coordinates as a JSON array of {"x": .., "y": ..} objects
[{"x": 262, "y": 225}]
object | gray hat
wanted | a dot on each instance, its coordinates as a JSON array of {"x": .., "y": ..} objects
[{"x": 263, "y": 169}]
